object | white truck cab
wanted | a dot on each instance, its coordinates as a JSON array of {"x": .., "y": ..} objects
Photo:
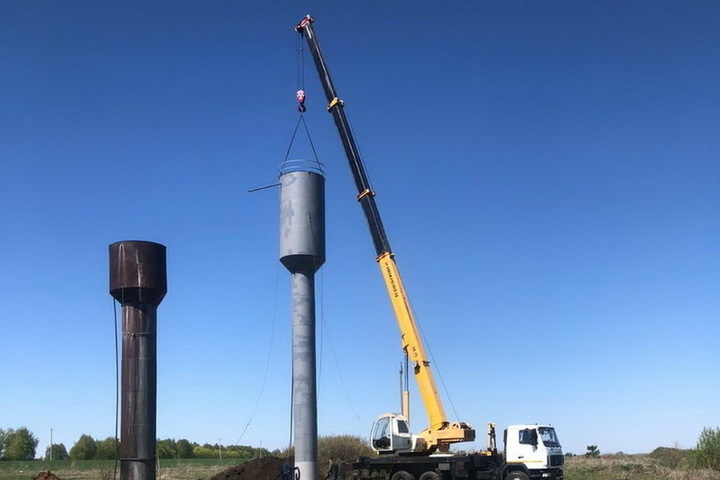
[{"x": 533, "y": 451}]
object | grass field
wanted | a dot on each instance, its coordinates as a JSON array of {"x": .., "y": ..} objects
[
  {"x": 185, "y": 469},
  {"x": 614, "y": 467},
  {"x": 630, "y": 467}
]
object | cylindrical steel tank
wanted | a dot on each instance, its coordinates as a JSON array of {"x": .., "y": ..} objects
[
  {"x": 302, "y": 217},
  {"x": 138, "y": 272},
  {"x": 138, "y": 280}
]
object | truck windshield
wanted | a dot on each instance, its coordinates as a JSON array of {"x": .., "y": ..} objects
[{"x": 548, "y": 436}]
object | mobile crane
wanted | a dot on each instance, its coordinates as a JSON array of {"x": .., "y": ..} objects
[{"x": 403, "y": 455}]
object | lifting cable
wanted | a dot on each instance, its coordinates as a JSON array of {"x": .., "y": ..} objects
[
  {"x": 267, "y": 361},
  {"x": 117, "y": 388},
  {"x": 300, "y": 61},
  {"x": 301, "y": 119},
  {"x": 300, "y": 96},
  {"x": 437, "y": 367},
  {"x": 324, "y": 331}
]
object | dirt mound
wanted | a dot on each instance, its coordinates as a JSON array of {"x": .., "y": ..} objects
[
  {"x": 258, "y": 469},
  {"x": 46, "y": 476}
]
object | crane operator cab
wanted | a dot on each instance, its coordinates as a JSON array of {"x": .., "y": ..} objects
[{"x": 391, "y": 434}]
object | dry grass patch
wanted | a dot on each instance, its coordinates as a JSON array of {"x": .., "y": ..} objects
[{"x": 630, "y": 467}]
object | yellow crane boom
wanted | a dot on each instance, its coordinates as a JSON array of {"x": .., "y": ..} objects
[{"x": 441, "y": 432}]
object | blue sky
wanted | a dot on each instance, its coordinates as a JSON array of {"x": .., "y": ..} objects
[{"x": 547, "y": 172}]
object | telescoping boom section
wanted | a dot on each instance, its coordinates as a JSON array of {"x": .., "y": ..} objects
[{"x": 441, "y": 432}]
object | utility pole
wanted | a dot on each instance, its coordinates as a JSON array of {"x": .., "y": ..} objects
[{"x": 51, "y": 443}]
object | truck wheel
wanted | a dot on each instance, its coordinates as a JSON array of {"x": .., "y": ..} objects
[
  {"x": 430, "y": 476},
  {"x": 402, "y": 475},
  {"x": 517, "y": 476}
]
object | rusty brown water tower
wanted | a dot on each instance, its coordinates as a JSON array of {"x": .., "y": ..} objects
[{"x": 138, "y": 280}]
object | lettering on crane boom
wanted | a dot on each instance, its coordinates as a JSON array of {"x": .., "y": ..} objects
[
  {"x": 415, "y": 356},
  {"x": 391, "y": 279}
]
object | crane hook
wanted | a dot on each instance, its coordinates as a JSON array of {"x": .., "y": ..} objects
[{"x": 300, "y": 95}]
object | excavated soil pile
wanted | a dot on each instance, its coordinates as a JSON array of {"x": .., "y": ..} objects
[
  {"x": 259, "y": 469},
  {"x": 46, "y": 476}
]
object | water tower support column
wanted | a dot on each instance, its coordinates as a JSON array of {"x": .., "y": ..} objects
[{"x": 302, "y": 252}]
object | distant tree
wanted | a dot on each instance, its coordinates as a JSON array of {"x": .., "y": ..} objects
[
  {"x": 341, "y": 449},
  {"x": 592, "y": 451},
  {"x": 84, "y": 449},
  {"x": 59, "y": 452},
  {"x": 166, "y": 448},
  {"x": 106, "y": 449},
  {"x": 2, "y": 443},
  {"x": 204, "y": 452},
  {"x": 707, "y": 451},
  {"x": 568, "y": 455},
  {"x": 20, "y": 444},
  {"x": 184, "y": 448},
  {"x": 259, "y": 452}
]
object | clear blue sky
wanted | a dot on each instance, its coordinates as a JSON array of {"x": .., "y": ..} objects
[{"x": 547, "y": 171}]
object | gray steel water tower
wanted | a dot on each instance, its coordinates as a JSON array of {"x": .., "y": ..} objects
[{"x": 302, "y": 252}]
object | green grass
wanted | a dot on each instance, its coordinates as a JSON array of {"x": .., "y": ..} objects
[
  {"x": 184, "y": 469},
  {"x": 631, "y": 467},
  {"x": 83, "y": 469},
  {"x": 606, "y": 467}
]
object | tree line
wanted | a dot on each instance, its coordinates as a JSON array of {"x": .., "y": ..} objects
[{"x": 21, "y": 444}]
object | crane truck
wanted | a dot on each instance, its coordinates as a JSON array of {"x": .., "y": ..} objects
[{"x": 531, "y": 451}]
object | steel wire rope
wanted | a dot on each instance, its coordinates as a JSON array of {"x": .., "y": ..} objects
[
  {"x": 267, "y": 361},
  {"x": 312, "y": 145},
  {"x": 422, "y": 333},
  {"x": 292, "y": 399},
  {"x": 315, "y": 245},
  {"x": 292, "y": 368},
  {"x": 342, "y": 381},
  {"x": 325, "y": 330},
  {"x": 321, "y": 281},
  {"x": 117, "y": 387},
  {"x": 292, "y": 140},
  {"x": 300, "y": 61},
  {"x": 274, "y": 316},
  {"x": 298, "y": 53},
  {"x": 301, "y": 118},
  {"x": 370, "y": 185},
  {"x": 437, "y": 366}
]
